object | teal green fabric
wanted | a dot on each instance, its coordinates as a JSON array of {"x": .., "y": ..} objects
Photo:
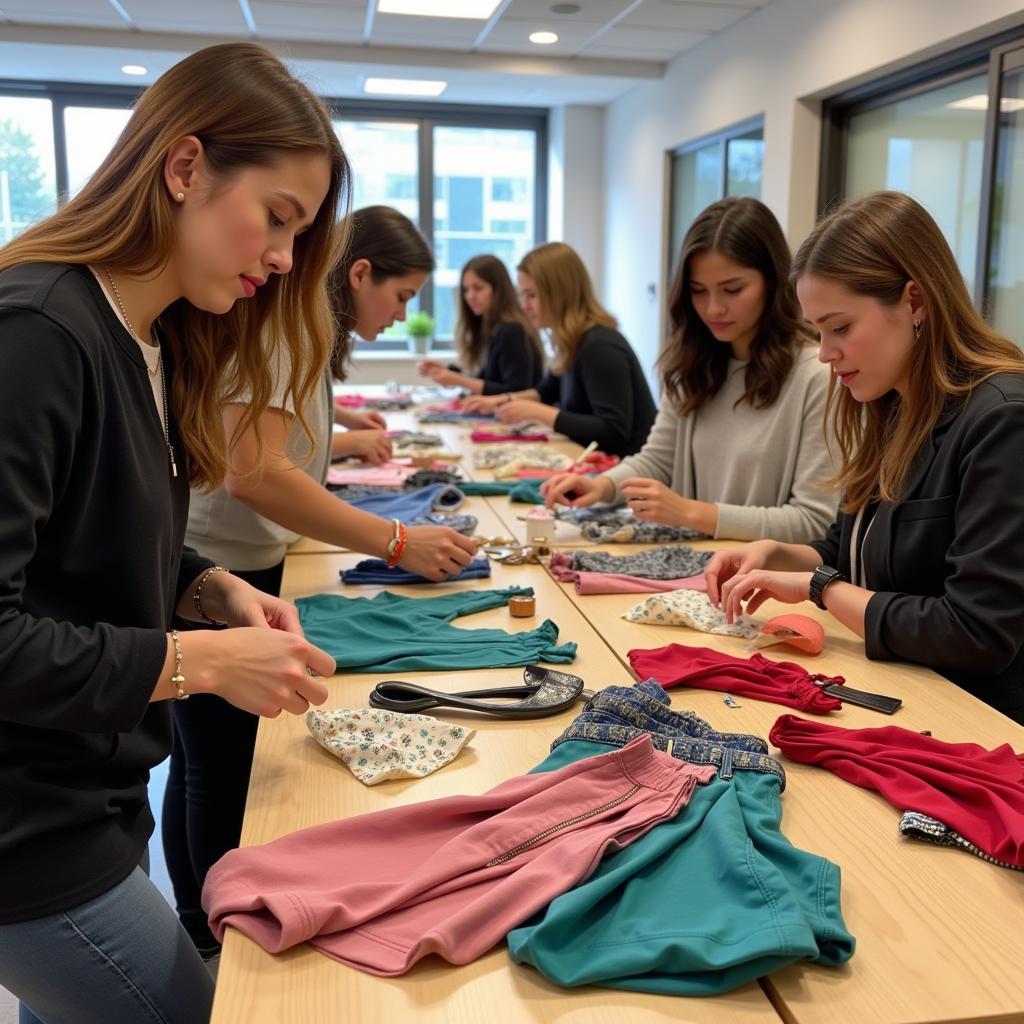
[
  {"x": 699, "y": 906},
  {"x": 390, "y": 632},
  {"x": 526, "y": 491}
]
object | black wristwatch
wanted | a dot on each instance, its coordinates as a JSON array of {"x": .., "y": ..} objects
[{"x": 820, "y": 579}]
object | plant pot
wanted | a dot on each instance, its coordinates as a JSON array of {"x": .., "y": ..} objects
[{"x": 420, "y": 343}]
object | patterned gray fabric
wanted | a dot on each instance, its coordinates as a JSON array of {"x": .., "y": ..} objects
[
  {"x": 668, "y": 563},
  {"x": 619, "y": 526},
  {"x": 464, "y": 524}
]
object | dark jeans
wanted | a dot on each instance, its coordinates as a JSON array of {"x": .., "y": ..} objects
[{"x": 206, "y": 787}]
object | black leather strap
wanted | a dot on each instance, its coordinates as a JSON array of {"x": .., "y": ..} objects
[
  {"x": 863, "y": 699},
  {"x": 546, "y": 693}
]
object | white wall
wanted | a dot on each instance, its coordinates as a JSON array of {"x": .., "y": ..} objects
[
  {"x": 779, "y": 63},
  {"x": 576, "y": 183}
]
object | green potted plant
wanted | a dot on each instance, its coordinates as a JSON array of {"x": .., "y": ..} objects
[{"x": 420, "y": 328}]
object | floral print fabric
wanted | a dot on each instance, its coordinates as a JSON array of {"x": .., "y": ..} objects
[
  {"x": 377, "y": 745},
  {"x": 688, "y": 608}
]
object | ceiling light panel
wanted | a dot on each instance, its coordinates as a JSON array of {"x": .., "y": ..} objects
[{"x": 479, "y": 10}]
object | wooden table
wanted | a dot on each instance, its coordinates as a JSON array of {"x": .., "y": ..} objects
[
  {"x": 295, "y": 784},
  {"x": 938, "y": 931}
]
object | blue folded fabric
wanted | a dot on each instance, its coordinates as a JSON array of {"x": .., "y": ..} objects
[
  {"x": 375, "y": 570},
  {"x": 408, "y": 505}
]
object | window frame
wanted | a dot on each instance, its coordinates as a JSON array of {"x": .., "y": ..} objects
[
  {"x": 985, "y": 57},
  {"x": 426, "y": 116}
]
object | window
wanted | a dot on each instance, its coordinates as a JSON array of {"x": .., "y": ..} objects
[
  {"x": 476, "y": 212},
  {"x": 929, "y": 145},
  {"x": 28, "y": 183},
  {"x": 728, "y": 164},
  {"x": 400, "y": 186},
  {"x": 90, "y": 134},
  {"x": 950, "y": 133}
]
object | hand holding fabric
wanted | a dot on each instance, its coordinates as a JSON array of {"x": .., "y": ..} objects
[
  {"x": 586, "y": 490},
  {"x": 436, "y": 552},
  {"x": 653, "y": 501}
]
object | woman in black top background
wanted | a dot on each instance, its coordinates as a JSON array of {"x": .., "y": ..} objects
[
  {"x": 595, "y": 390},
  {"x": 498, "y": 348}
]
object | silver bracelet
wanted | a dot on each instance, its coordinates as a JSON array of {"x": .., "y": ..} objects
[
  {"x": 198, "y": 593},
  {"x": 178, "y": 679}
]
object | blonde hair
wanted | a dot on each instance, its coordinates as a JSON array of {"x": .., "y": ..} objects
[
  {"x": 875, "y": 246},
  {"x": 247, "y": 110},
  {"x": 567, "y": 295}
]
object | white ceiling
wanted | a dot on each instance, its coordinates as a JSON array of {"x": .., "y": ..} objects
[{"x": 604, "y": 48}]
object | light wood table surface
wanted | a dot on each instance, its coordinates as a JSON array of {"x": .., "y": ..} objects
[
  {"x": 939, "y": 932},
  {"x": 295, "y": 784}
]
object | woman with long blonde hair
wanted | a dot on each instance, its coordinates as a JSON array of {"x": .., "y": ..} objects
[
  {"x": 497, "y": 346},
  {"x": 926, "y": 558},
  {"x": 124, "y": 320},
  {"x": 595, "y": 389}
]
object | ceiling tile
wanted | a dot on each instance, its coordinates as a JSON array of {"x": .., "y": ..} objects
[
  {"x": 91, "y": 13},
  {"x": 591, "y": 11},
  {"x": 214, "y": 17},
  {"x": 448, "y": 33},
  {"x": 688, "y": 17},
  {"x": 310, "y": 20}
]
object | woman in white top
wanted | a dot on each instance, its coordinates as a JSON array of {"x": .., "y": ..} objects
[
  {"x": 738, "y": 449},
  {"x": 248, "y": 523}
]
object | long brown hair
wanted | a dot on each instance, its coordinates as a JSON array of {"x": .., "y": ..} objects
[
  {"x": 694, "y": 365},
  {"x": 247, "y": 110},
  {"x": 473, "y": 333},
  {"x": 393, "y": 246},
  {"x": 567, "y": 295},
  {"x": 875, "y": 246}
]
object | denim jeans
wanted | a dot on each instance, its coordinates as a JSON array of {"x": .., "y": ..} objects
[
  {"x": 701, "y": 904},
  {"x": 121, "y": 957}
]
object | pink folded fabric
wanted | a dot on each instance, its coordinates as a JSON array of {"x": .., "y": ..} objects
[
  {"x": 390, "y": 474},
  {"x": 350, "y": 401},
  {"x": 451, "y": 876},
  {"x": 492, "y": 437},
  {"x": 617, "y": 582}
]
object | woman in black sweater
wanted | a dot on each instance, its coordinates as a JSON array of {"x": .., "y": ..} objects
[
  {"x": 595, "y": 390},
  {"x": 926, "y": 559},
  {"x": 498, "y": 348},
  {"x": 118, "y": 316}
]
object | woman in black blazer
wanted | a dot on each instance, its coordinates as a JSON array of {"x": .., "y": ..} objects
[
  {"x": 498, "y": 348},
  {"x": 926, "y": 559}
]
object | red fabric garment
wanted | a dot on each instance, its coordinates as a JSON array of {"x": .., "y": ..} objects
[
  {"x": 757, "y": 677},
  {"x": 595, "y": 462},
  {"x": 977, "y": 792},
  {"x": 491, "y": 436}
]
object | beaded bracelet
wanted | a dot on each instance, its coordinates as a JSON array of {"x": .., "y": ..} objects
[
  {"x": 198, "y": 593},
  {"x": 396, "y": 547},
  {"x": 178, "y": 679}
]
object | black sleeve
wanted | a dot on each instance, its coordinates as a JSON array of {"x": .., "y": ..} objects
[
  {"x": 829, "y": 546},
  {"x": 975, "y": 626},
  {"x": 55, "y": 674},
  {"x": 512, "y": 359},
  {"x": 604, "y": 370},
  {"x": 192, "y": 564},
  {"x": 550, "y": 389}
]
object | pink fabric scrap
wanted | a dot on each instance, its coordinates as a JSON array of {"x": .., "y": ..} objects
[
  {"x": 390, "y": 474},
  {"x": 492, "y": 436}
]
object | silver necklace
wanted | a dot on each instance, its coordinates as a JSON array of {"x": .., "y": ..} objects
[{"x": 152, "y": 373}]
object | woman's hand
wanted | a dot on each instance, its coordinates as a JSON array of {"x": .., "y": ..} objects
[
  {"x": 738, "y": 561},
  {"x": 260, "y": 670},
  {"x": 231, "y": 600},
  {"x": 518, "y": 410},
  {"x": 428, "y": 367},
  {"x": 576, "y": 490},
  {"x": 372, "y": 420},
  {"x": 483, "y": 403},
  {"x": 436, "y": 552},
  {"x": 758, "y": 586},
  {"x": 373, "y": 446},
  {"x": 653, "y": 501}
]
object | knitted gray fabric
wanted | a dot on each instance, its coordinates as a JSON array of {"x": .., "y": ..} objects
[
  {"x": 464, "y": 524},
  {"x": 620, "y": 526},
  {"x": 668, "y": 563}
]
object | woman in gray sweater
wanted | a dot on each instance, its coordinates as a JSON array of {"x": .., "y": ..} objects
[{"x": 738, "y": 449}]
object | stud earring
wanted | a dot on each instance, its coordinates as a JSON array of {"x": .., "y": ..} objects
[
  {"x": 180, "y": 196},
  {"x": 917, "y": 329}
]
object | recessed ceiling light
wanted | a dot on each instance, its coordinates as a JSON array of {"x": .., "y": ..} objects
[
  {"x": 543, "y": 38},
  {"x": 404, "y": 86},
  {"x": 479, "y": 10},
  {"x": 133, "y": 69}
]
